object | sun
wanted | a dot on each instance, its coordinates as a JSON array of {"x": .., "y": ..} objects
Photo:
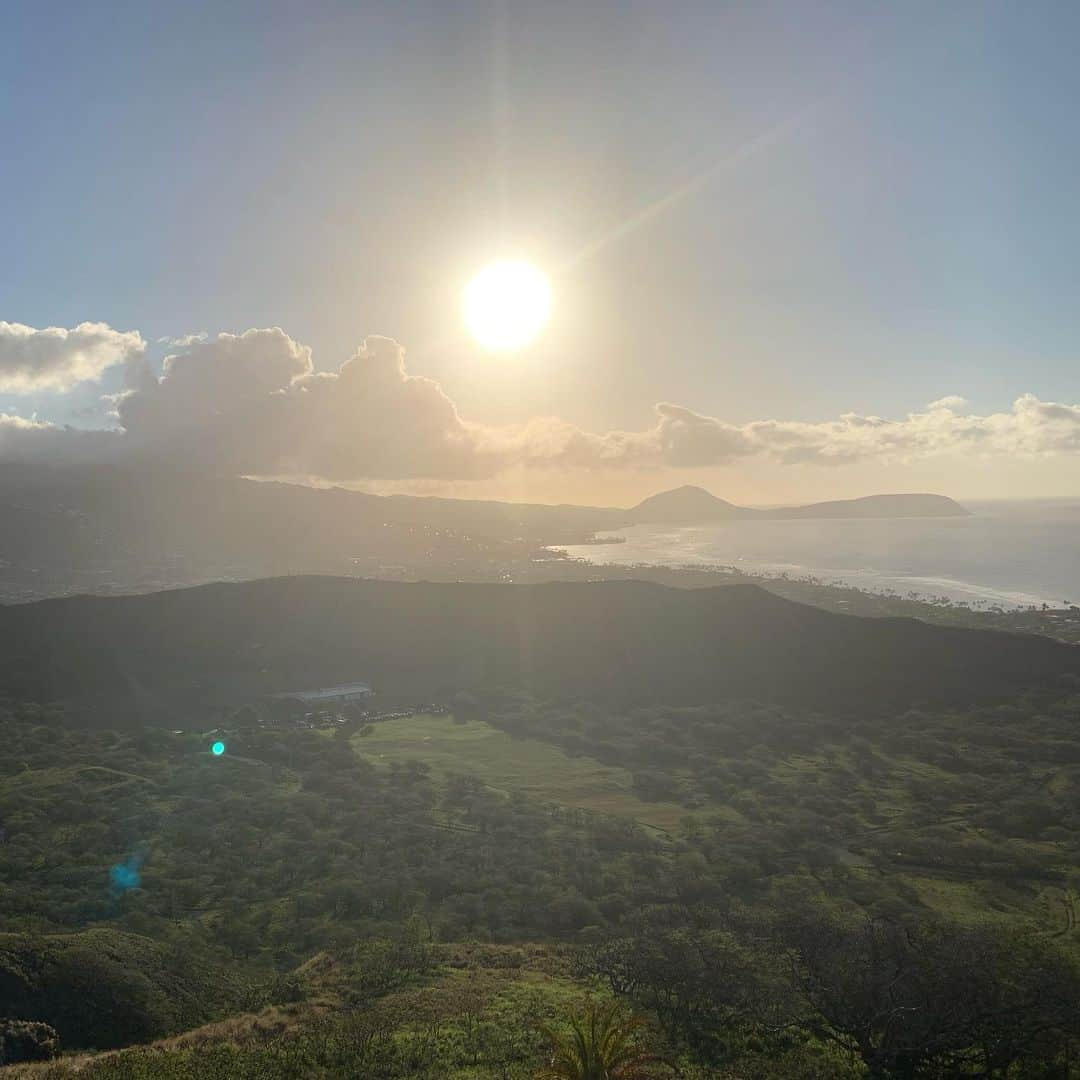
[{"x": 507, "y": 304}]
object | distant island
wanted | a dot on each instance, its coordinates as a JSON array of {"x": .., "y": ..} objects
[{"x": 692, "y": 505}]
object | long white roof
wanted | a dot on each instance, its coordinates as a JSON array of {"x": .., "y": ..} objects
[{"x": 345, "y": 690}]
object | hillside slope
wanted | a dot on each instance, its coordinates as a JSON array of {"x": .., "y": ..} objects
[
  {"x": 613, "y": 641},
  {"x": 103, "y": 988}
]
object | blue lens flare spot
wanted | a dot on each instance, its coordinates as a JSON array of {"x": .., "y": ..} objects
[
  {"x": 126, "y": 875},
  {"x": 217, "y": 749}
]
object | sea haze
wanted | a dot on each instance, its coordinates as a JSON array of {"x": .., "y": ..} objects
[{"x": 1009, "y": 554}]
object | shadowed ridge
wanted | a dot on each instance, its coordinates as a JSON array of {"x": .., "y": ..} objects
[{"x": 623, "y": 642}]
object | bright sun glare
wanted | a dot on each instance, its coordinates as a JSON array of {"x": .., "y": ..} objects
[{"x": 507, "y": 305}]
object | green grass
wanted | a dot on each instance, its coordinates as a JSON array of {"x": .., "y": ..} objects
[{"x": 508, "y": 764}]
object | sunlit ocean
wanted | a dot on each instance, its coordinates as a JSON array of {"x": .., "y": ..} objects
[{"x": 1010, "y": 554}]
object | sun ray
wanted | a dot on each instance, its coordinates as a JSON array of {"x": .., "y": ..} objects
[{"x": 661, "y": 205}]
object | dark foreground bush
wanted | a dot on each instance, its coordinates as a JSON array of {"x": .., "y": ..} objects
[
  {"x": 102, "y": 988},
  {"x": 27, "y": 1040}
]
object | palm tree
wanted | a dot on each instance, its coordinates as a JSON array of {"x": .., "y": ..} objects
[{"x": 601, "y": 1046}]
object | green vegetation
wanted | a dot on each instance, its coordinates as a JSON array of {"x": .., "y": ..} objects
[
  {"x": 287, "y": 844},
  {"x": 507, "y": 764},
  {"x": 832, "y": 895},
  {"x": 27, "y": 1040},
  {"x": 435, "y": 1011},
  {"x": 971, "y": 812},
  {"x": 601, "y": 1045},
  {"x": 105, "y": 988}
]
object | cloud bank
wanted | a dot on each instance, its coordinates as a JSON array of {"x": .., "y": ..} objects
[
  {"x": 58, "y": 359},
  {"x": 254, "y": 403}
]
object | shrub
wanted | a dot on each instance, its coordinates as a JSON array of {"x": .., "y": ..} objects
[{"x": 27, "y": 1040}]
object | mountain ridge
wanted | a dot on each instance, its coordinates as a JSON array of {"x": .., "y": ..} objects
[{"x": 159, "y": 655}]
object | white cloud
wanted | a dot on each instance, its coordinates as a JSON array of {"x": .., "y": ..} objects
[
  {"x": 683, "y": 438},
  {"x": 184, "y": 340},
  {"x": 58, "y": 359},
  {"x": 949, "y": 401},
  {"x": 253, "y": 403}
]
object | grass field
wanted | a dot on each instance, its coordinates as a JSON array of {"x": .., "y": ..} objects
[{"x": 509, "y": 764}]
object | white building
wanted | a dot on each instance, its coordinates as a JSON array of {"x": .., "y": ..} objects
[{"x": 346, "y": 694}]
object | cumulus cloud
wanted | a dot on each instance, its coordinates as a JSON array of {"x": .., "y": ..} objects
[
  {"x": 59, "y": 359},
  {"x": 254, "y": 403},
  {"x": 1032, "y": 428},
  {"x": 949, "y": 401},
  {"x": 683, "y": 438},
  {"x": 184, "y": 340}
]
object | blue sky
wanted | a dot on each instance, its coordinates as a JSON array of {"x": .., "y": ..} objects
[{"x": 885, "y": 211}]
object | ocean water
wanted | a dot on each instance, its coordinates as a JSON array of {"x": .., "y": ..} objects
[{"x": 1008, "y": 554}]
